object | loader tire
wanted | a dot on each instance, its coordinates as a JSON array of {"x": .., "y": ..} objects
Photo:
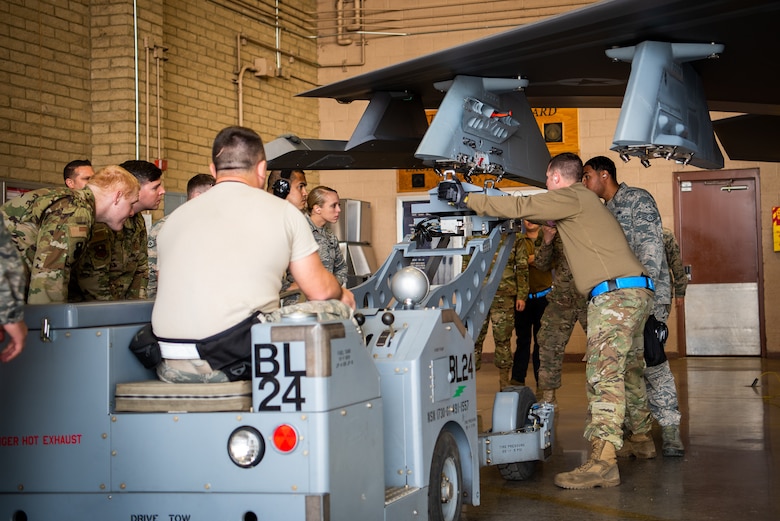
[
  {"x": 520, "y": 470},
  {"x": 445, "y": 489}
]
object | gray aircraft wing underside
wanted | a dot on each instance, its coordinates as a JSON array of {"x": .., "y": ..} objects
[{"x": 563, "y": 62}]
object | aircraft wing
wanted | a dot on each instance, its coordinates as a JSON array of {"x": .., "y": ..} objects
[
  {"x": 665, "y": 90},
  {"x": 564, "y": 60}
]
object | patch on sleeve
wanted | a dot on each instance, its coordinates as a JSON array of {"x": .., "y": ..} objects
[{"x": 77, "y": 231}]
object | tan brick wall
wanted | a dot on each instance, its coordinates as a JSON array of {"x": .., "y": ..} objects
[
  {"x": 70, "y": 82},
  {"x": 45, "y": 99}
]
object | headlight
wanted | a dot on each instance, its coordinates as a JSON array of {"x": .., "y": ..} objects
[{"x": 246, "y": 447}]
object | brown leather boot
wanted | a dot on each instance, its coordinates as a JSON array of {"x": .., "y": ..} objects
[
  {"x": 640, "y": 446},
  {"x": 600, "y": 470}
]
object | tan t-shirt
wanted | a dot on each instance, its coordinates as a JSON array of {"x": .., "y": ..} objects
[
  {"x": 221, "y": 257},
  {"x": 593, "y": 241}
]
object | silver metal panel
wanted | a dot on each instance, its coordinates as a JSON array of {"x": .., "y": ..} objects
[
  {"x": 354, "y": 225},
  {"x": 51, "y": 429},
  {"x": 188, "y": 453},
  {"x": 722, "y": 319},
  {"x": 126, "y": 506},
  {"x": 361, "y": 259},
  {"x": 88, "y": 314}
]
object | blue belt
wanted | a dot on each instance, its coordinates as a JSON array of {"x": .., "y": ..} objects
[
  {"x": 539, "y": 294},
  {"x": 642, "y": 281}
]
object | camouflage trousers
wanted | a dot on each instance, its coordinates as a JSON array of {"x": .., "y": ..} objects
[
  {"x": 615, "y": 365},
  {"x": 557, "y": 324},
  {"x": 662, "y": 394},
  {"x": 200, "y": 371},
  {"x": 502, "y": 315}
]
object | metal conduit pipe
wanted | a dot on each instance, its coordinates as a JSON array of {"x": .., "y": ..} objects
[
  {"x": 240, "y": 91},
  {"x": 159, "y": 56},
  {"x": 341, "y": 38},
  {"x": 278, "y": 35},
  {"x": 135, "y": 59},
  {"x": 146, "y": 48}
]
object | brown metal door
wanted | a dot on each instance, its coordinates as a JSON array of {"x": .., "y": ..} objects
[{"x": 717, "y": 226}]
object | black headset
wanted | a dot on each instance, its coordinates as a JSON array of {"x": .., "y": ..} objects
[{"x": 281, "y": 186}]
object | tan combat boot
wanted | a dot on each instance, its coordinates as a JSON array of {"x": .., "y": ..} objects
[
  {"x": 640, "y": 446},
  {"x": 600, "y": 470},
  {"x": 504, "y": 375}
]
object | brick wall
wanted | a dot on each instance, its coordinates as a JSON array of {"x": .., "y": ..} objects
[
  {"x": 75, "y": 79},
  {"x": 45, "y": 100}
]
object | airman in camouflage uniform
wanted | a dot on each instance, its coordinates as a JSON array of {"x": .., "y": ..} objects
[
  {"x": 565, "y": 306},
  {"x": 51, "y": 227},
  {"x": 531, "y": 303},
  {"x": 115, "y": 265},
  {"x": 128, "y": 273},
  {"x": 12, "y": 289},
  {"x": 661, "y": 387},
  {"x": 636, "y": 211},
  {"x": 502, "y": 311}
]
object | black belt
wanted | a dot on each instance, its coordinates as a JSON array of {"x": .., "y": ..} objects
[
  {"x": 540, "y": 294},
  {"x": 641, "y": 281}
]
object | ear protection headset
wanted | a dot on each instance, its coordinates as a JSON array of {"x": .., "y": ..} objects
[{"x": 281, "y": 186}]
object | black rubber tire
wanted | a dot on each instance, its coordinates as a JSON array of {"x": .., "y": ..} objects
[
  {"x": 445, "y": 489},
  {"x": 520, "y": 470}
]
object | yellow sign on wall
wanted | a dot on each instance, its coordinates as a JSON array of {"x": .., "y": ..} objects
[
  {"x": 776, "y": 227},
  {"x": 560, "y": 128}
]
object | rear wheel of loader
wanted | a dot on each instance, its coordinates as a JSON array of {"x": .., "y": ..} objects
[{"x": 520, "y": 470}]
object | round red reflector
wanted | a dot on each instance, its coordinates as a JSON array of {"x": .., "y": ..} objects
[{"x": 285, "y": 438}]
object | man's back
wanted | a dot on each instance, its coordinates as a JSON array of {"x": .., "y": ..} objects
[
  {"x": 220, "y": 260},
  {"x": 594, "y": 243}
]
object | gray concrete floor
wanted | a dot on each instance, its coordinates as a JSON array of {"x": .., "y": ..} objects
[{"x": 731, "y": 467}]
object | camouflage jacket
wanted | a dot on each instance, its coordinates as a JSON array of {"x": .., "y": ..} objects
[
  {"x": 674, "y": 259},
  {"x": 532, "y": 279},
  {"x": 115, "y": 265},
  {"x": 151, "y": 288},
  {"x": 51, "y": 228},
  {"x": 12, "y": 280},
  {"x": 552, "y": 257},
  {"x": 516, "y": 265},
  {"x": 330, "y": 252},
  {"x": 637, "y": 213}
]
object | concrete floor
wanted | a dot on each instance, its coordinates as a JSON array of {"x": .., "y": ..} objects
[{"x": 731, "y": 468}]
